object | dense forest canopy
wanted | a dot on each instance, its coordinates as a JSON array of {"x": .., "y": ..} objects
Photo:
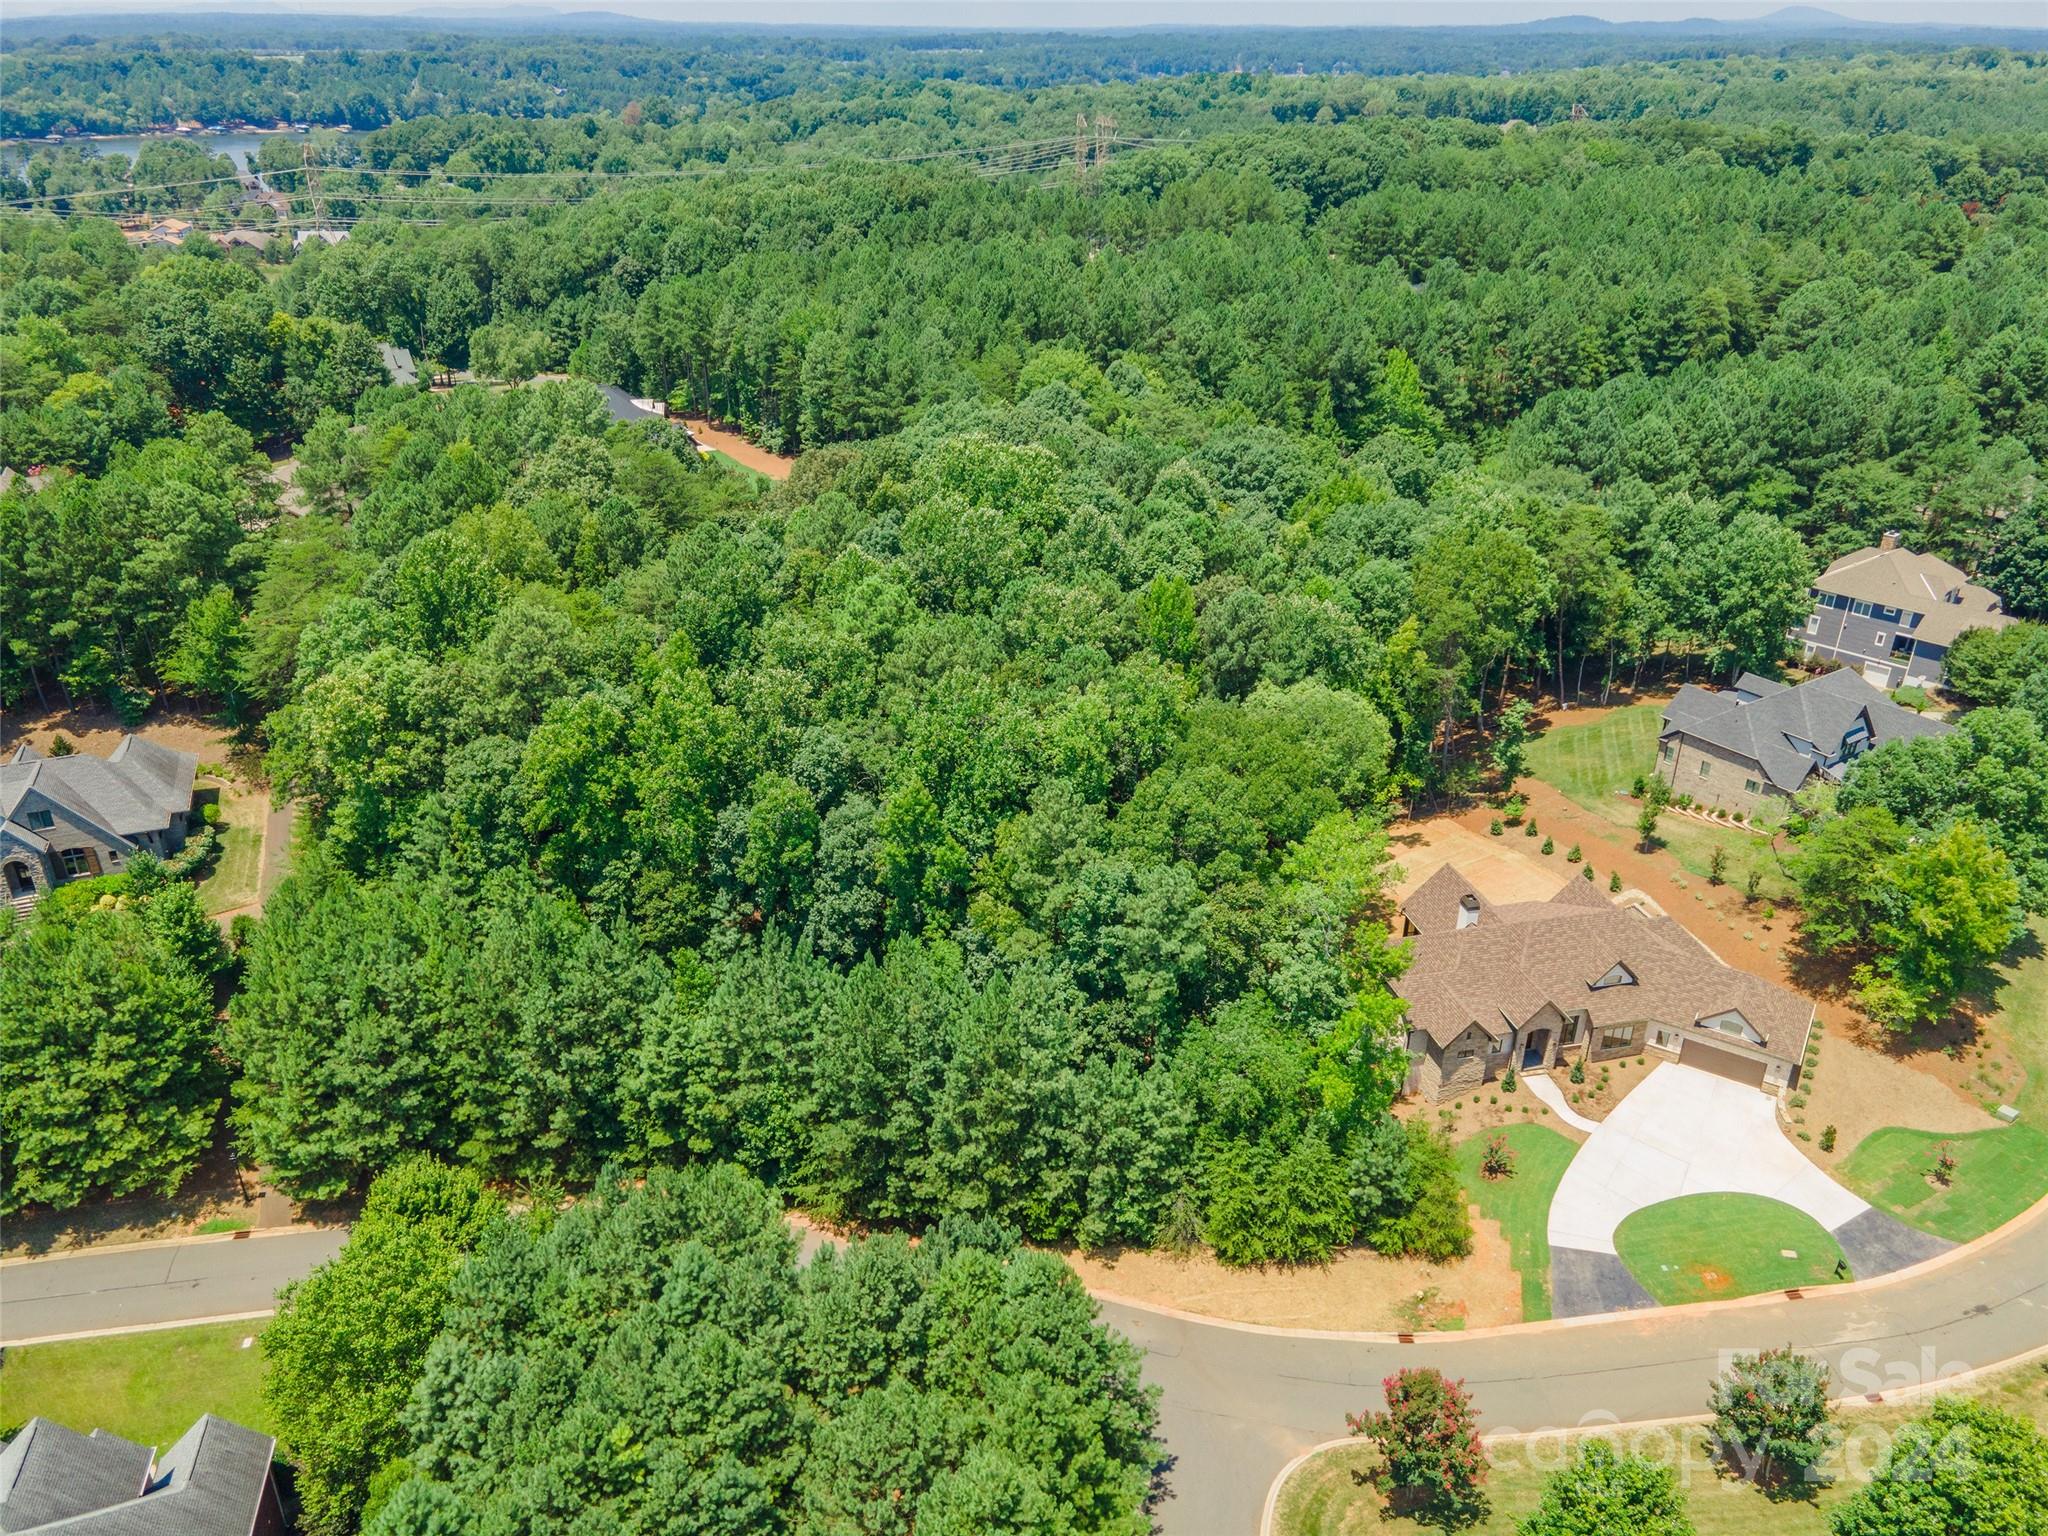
[
  {"x": 116, "y": 74},
  {"x": 988, "y": 821}
]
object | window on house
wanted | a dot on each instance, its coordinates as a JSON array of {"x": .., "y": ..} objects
[
  {"x": 1571, "y": 1029},
  {"x": 1813, "y": 624},
  {"x": 1617, "y": 975},
  {"x": 1664, "y": 1039},
  {"x": 1704, "y": 766},
  {"x": 1752, "y": 786},
  {"x": 1860, "y": 609},
  {"x": 73, "y": 860},
  {"x": 1664, "y": 750},
  {"x": 1883, "y": 640},
  {"x": 40, "y": 821},
  {"x": 1617, "y": 1037}
]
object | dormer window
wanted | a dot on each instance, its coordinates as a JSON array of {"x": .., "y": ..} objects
[
  {"x": 1618, "y": 975},
  {"x": 1468, "y": 910},
  {"x": 1731, "y": 1022}
]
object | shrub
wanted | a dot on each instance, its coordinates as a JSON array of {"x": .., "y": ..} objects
[
  {"x": 1587, "y": 871},
  {"x": 1573, "y": 855},
  {"x": 1428, "y": 1438},
  {"x": 1507, "y": 1081},
  {"x": 61, "y": 745},
  {"x": 1602, "y": 1492},
  {"x": 1827, "y": 1138},
  {"x": 210, "y": 813},
  {"x": 1512, "y": 808},
  {"x": 1717, "y": 866},
  {"x": 1614, "y": 882},
  {"x": 1495, "y": 828},
  {"x": 1529, "y": 829},
  {"x": 1549, "y": 846},
  {"x": 1637, "y": 786},
  {"x": 1944, "y": 1161},
  {"x": 1435, "y": 1225},
  {"x": 1578, "y": 1069},
  {"x": 1771, "y": 1414},
  {"x": 1498, "y": 1160}
]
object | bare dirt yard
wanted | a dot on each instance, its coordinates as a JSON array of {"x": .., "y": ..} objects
[
  {"x": 736, "y": 447},
  {"x": 95, "y": 728},
  {"x": 1358, "y": 1290}
]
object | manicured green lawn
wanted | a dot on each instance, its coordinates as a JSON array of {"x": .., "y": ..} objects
[
  {"x": 1999, "y": 1173},
  {"x": 145, "y": 1387},
  {"x": 233, "y": 879},
  {"x": 2023, "y": 1017},
  {"x": 1521, "y": 1204},
  {"x": 1324, "y": 1498},
  {"x": 1593, "y": 764},
  {"x": 1712, "y": 1247},
  {"x": 1590, "y": 762}
]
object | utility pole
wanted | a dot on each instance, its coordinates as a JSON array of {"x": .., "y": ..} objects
[
  {"x": 1080, "y": 145},
  {"x": 1105, "y": 134}
]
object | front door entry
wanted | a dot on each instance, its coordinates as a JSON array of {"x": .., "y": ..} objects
[{"x": 1535, "y": 1048}]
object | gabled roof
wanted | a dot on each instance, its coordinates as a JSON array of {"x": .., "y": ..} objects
[
  {"x": 1820, "y": 711},
  {"x": 1433, "y": 905},
  {"x": 1915, "y": 583},
  {"x": 211, "y": 1483},
  {"x": 138, "y": 787},
  {"x": 48, "y": 1472},
  {"x": 1501, "y": 971}
]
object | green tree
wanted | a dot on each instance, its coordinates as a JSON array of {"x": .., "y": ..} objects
[
  {"x": 1771, "y": 1417},
  {"x": 350, "y": 1340},
  {"x": 1601, "y": 1492},
  {"x": 114, "y": 1077},
  {"x": 1951, "y": 904},
  {"x": 209, "y": 650},
  {"x": 1960, "y": 1466}
]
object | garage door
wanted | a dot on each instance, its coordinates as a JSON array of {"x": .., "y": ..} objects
[{"x": 1708, "y": 1058}]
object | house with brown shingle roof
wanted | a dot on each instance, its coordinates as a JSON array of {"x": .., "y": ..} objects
[
  {"x": 1892, "y": 613},
  {"x": 1533, "y": 985}
]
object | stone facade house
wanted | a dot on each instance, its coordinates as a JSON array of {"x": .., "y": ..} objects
[
  {"x": 66, "y": 818},
  {"x": 1533, "y": 985},
  {"x": 216, "y": 1481},
  {"x": 1760, "y": 742},
  {"x": 1892, "y": 614}
]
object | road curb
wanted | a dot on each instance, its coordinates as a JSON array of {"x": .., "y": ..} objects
[
  {"x": 1648, "y": 1317},
  {"x": 108, "y": 1333},
  {"x": 1906, "y": 1394},
  {"x": 246, "y": 1234}
]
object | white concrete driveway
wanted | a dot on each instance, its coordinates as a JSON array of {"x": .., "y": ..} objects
[{"x": 1686, "y": 1132}]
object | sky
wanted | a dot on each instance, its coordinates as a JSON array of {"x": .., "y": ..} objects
[{"x": 1101, "y": 13}]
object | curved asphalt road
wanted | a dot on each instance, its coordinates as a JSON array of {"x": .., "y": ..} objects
[{"x": 1239, "y": 1403}]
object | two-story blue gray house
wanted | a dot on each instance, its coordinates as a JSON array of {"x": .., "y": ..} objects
[
  {"x": 65, "y": 818},
  {"x": 1892, "y": 614},
  {"x": 1760, "y": 741}
]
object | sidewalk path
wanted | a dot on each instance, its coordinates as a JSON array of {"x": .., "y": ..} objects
[{"x": 1546, "y": 1089}]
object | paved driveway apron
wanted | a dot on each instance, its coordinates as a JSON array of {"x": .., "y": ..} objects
[{"x": 1686, "y": 1132}]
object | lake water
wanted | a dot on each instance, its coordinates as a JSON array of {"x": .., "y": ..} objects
[{"x": 238, "y": 147}]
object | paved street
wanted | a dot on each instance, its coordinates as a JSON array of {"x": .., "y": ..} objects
[
  {"x": 154, "y": 1283},
  {"x": 1239, "y": 1403}
]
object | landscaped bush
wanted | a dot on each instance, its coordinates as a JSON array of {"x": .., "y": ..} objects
[{"x": 1549, "y": 846}]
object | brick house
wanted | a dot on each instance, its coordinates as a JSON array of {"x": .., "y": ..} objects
[
  {"x": 1536, "y": 984},
  {"x": 1892, "y": 614},
  {"x": 1754, "y": 745},
  {"x": 67, "y": 818}
]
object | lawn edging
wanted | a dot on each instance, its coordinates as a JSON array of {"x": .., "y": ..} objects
[{"x": 1913, "y": 1392}]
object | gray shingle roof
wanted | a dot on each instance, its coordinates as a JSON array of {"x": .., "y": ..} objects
[
  {"x": 138, "y": 787},
  {"x": 1499, "y": 973},
  {"x": 1766, "y": 730},
  {"x": 211, "y": 1483},
  {"x": 49, "y": 1473}
]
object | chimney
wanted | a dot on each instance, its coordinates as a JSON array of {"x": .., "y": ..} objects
[
  {"x": 1889, "y": 539},
  {"x": 1468, "y": 910}
]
